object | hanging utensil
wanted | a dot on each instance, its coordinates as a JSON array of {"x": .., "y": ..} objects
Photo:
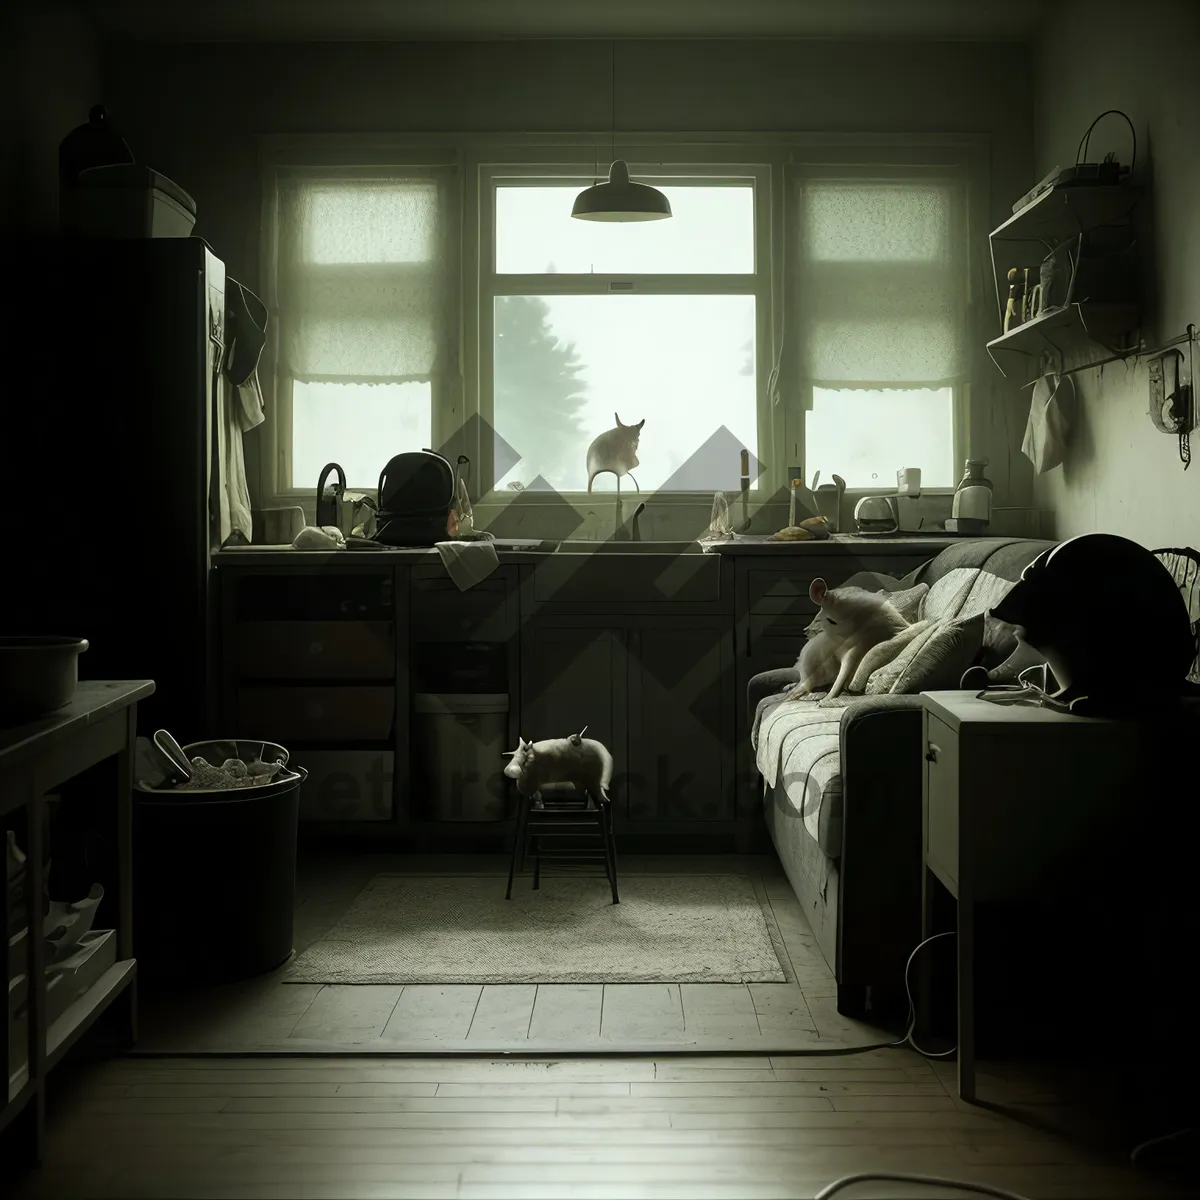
[{"x": 179, "y": 770}]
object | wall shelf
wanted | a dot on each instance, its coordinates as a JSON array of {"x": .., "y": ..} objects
[
  {"x": 1073, "y": 332},
  {"x": 1065, "y": 212},
  {"x": 1079, "y": 334}
]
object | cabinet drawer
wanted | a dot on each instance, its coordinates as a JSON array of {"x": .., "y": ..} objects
[
  {"x": 775, "y": 590},
  {"x": 442, "y": 613},
  {"x": 779, "y": 633},
  {"x": 578, "y": 579},
  {"x": 941, "y": 798},
  {"x": 337, "y": 596},
  {"x": 346, "y": 785},
  {"x": 315, "y": 650},
  {"x": 316, "y": 714}
]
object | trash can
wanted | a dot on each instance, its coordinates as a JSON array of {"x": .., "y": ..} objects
[
  {"x": 459, "y": 739},
  {"x": 215, "y": 873}
]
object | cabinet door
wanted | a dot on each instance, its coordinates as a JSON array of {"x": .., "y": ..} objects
[
  {"x": 573, "y": 675},
  {"x": 681, "y": 708}
]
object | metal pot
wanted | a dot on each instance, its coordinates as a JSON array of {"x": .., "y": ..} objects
[{"x": 38, "y": 674}]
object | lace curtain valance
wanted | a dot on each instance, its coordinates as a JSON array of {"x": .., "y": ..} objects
[{"x": 367, "y": 276}]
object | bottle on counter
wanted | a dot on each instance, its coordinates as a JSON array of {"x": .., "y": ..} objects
[{"x": 971, "y": 509}]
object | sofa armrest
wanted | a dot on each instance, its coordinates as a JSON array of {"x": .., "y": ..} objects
[{"x": 879, "y": 901}]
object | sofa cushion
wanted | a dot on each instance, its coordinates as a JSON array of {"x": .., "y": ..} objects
[
  {"x": 935, "y": 659},
  {"x": 797, "y": 743},
  {"x": 797, "y": 753}
]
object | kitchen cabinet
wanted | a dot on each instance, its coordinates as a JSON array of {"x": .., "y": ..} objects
[
  {"x": 681, "y": 712},
  {"x": 317, "y": 660},
  {"x": 325, "y": 652},
  {"x": 573, "y": 674}
]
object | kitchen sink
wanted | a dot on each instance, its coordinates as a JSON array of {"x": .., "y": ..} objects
[{"x": 665, "y": 548}]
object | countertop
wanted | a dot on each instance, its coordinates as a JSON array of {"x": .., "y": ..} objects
[{"x": 519, "y": 552}]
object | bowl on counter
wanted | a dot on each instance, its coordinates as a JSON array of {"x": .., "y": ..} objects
[{"x": 38, "y": 675}]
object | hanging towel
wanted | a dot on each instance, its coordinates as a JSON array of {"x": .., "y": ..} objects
[
  {"x": 467, "y": 563},
  {"x": 1049, "y": 426},
  {"x": 246, "y": 333}
]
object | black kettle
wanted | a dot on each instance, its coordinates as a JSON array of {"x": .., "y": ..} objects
[{"x": 329, "y": 508}]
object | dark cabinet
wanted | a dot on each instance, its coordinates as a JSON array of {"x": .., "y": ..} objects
[
  {"x": 680, "y": 710},
  {"x": 572, "y": 676}
]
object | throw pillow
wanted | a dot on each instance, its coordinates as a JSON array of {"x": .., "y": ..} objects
[
  {"x": 881, "y": 655},
  {"x": 935, "y": 659}
]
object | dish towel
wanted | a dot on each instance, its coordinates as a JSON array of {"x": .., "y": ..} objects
[{"x": 467, "y": 563}]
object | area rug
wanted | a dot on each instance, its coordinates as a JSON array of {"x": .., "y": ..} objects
[{"x": 408, "y": 929}]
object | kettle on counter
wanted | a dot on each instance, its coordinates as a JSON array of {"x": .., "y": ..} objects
[{"x": 331, "y": 508}]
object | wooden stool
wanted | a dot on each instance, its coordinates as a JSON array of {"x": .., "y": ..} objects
[{"x": 557, "y": 812}]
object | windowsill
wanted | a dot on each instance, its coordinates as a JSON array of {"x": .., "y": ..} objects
[{"x": 308, "y": 496}]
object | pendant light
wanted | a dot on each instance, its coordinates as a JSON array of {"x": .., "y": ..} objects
[{"x": 620, "y": 199}]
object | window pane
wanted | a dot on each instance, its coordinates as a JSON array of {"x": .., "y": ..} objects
[
  {"x": 876, "y": 222},
  {"x": 684, "y": 364},
  {"x": 358, "y": 425},
  {"x": 711, "y": 233},
  {"x": 866, "y": 437},
  {"x": 368, "y": 222}
]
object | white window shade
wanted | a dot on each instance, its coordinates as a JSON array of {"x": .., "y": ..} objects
[
  {"x": 881, "y": 292},
  {"x": 368, "y": 272}
]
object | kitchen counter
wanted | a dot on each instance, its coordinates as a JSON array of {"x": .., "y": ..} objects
[{"x": 529, "y": 552}]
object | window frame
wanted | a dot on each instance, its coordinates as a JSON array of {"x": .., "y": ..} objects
[
  {"x": 782, "y": 153},
  {"x": 664, "y": 165},
  {"x": 961, "y": 161},
  {"x": 341, "y": 158}
]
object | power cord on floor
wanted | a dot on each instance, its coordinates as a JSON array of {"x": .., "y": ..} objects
[
  {"x": 907, "y": 1040},
  {"x": 931, "y": 1180},
  {"x": 1138, "y": 1150}
]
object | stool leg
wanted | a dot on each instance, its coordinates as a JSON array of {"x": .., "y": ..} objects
[
  {"x": 518, "y": 851},
  {"x": 612, "y": 841},
  {"x": 537, "y": 868},
  {"x": 610, "y": 850}
]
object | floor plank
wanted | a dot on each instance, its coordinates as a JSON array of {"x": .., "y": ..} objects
[
  {"x": 434, "y": 1014},
  {"x": 504, "y": 1011},
  {"x": 347, "y": 1013},
  {"x": 637, "y": 1011},
  {"x": 781, "y": 1008},
  {"x": 717, "y": 1010},
  {"x": 564, "y": 1011}
]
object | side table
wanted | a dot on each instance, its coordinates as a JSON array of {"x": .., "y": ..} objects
[
  {"x": 100, "y": 722},
  {"x": 1028, "y": 806}
]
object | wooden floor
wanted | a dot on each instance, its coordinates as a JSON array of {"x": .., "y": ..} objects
[
  {"x": 267, "y": 1014},
  {"x": 700, "y": 1128}
]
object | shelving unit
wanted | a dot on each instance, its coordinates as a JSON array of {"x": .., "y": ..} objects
[
  {"x": 35, "y": 759},
  {"x": 1078, "y": 329}
]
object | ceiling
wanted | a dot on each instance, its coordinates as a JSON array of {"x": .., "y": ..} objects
[{"x": 477, "y": 20}]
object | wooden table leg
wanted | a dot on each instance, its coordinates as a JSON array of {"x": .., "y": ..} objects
[
  {"x": 34, "y": 1114},
  {"x": 126, "y": 1025},
  {"x": 923, "y": 992},
  {"x": 966, "y": 997}
]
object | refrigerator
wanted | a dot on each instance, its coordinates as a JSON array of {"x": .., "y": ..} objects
[{"x": 118, "y": 380}]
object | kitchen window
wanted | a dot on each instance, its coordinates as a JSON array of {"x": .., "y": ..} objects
[
  {"x": 583, "y": 322},
  {"x": 879, "y": 290},
  {"x": 806, "y": 302},
  {"x": 365, "y": 288}
]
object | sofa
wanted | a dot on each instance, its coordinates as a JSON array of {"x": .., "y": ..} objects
[{"x": 842, "y": 778}]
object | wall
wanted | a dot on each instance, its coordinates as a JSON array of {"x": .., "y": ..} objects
[
  {"x": 1122, "y": 476},
  {"x": 192, "y": 111},
  {"x": 49, "y": 78}
]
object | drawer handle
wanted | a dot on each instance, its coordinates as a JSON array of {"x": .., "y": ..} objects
[{"x": 932, "y": 753}]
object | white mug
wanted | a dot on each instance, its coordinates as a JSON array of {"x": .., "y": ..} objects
[{"x": 908, "y": 481}]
